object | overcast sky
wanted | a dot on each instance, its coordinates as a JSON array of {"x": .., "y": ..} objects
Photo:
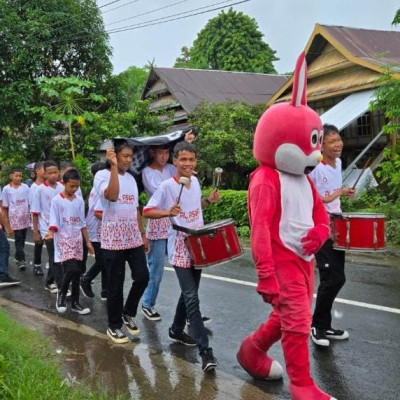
[{"x": 286, "y": 25}]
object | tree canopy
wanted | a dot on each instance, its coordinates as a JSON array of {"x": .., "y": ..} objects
[
  {"x": 45, "y": 38},
  {"x": 230, "y": 42}
]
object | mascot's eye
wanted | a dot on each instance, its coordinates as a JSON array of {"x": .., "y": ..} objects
[
  {"x": 321, "y": 137},
  {"x": 314, "y": 138}
]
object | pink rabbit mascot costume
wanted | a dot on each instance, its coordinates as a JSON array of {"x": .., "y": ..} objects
[{"x": 288, "y": 225}]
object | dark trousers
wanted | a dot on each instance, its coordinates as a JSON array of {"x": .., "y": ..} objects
[
  {"x": 55, "y": 272},
  {"x": 37, "y": 253},
  {"x": 20, "y": 237},
  {"x": 97, "y": 267},
  {"x": 72, "y": 272},
  {"x": 4, "y": 254},
  {"x": 330, "y": 263},
  {"x": 115, "y": 264},
  {"x": 189, "y": 306}
]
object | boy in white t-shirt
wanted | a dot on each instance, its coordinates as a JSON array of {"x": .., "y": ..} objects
[
  {"x": 67, "y": 227},
  {"x": 40, "y": 209},
  {"x": 93, "y": 223},
  {"x": 188, "y": 213},
  {"x": 16, "y": 209},
  {"x": 157, "y": 229},
  {"x": 327, "y": 177},
  {"x": 122, "y": 240},
  {"x": 37, "y": 252}
]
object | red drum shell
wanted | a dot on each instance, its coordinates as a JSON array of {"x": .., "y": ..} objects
[
  {"x": 358, "y": 231},
  {"x": 215, "y": 243}
]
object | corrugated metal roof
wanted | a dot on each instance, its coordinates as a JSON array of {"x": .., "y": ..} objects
[
  {"x": 373, "y": 46},
  {"x": 191, "y": 86},
  {"x": 350, "y": 108}
]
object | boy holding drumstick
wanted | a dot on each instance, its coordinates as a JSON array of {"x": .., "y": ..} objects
[{"x": 187, "y": 213}]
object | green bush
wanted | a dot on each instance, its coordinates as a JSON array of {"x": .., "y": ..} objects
[{"x": 233, "y": 204}]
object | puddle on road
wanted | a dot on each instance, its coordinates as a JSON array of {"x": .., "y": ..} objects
[{"x": 135, "y": 370}]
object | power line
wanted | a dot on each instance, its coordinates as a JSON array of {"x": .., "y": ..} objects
[
  {"x": 159, "y": 21},
  {"x": 148, "y": 12},
  {"x": 108, "y": 4},
  {"x": 149, "y": 23},
  {"x": 116, "y": 8}
]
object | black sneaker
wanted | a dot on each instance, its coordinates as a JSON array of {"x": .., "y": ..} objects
[
  {"x": 209, "y": 362},
  {"x": 86, "y": 288},
  {"x": 52, "y": 288},
  {"x": 318, "y": 337},
  {"x": 76, "y": 307},
  {"x": 8, "y": 281},
  {"x": 21, "y": 264},
  {"x": 103, "y": 296},
  {"x": 117, "y": 336},
  {"x": 130, "y": 324},
  {"x": 151, "y": 314},
  {"x": 336, "y": 334},
  {"x": 61, "y": 303},
  {"x": 37, "y": 270},
  {"x": 182, "y": 337},
  {"x": 206, "y": 320}
]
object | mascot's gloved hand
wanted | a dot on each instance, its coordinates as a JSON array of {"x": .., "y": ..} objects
[
  {"x": 268, "y": 288},
  {"x": 314, "y": 239}
]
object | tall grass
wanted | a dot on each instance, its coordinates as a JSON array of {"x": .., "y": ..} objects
[{"x": 29, "y": 369}]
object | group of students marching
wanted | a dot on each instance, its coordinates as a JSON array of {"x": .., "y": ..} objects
[{"x": 113, "y": 231}]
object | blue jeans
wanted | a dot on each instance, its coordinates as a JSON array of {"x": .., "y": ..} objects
[
  {"x": 155, "y": 260},
  {"x": 4, "y": 254},
  {"x": 189, "y": 306}
]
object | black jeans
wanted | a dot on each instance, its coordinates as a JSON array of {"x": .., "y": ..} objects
[
  {"x": 97, "y": 267},
  {"x": 37, "y": 257},
  {"x": 55, "y": 272},
  {"x": 330, "y": 263},
  {"x": 20, "y": 237},
  {"x": 115, "y": 264},
  {"x": 72, "y": 272},
  {"x": 189, "y": 306}
]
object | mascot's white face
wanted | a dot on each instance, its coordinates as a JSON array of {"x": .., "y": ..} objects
[{"x": 288, "y": 136}]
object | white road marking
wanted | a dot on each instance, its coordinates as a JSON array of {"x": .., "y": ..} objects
[{"x": 252, "y": 284}]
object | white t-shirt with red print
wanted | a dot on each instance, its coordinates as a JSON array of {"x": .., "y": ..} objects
[
  {"x": 41, "y": 204},
  {"x": 93, "y": 223},
  {"x": 120, "y": 230},
  {"x": 328, "y": 180},
  {"x": 191, "y": 216},
  {"x": 67, "y": 218},
  {"x": 16, "y": 199},
  {"x": 157, "y": 228}
]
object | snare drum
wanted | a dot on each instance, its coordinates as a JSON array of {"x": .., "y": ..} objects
[
  {"x": 213, "y": 243},
  {"x": 358, "y": 231}
]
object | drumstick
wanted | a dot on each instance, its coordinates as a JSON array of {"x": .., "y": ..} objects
[
  {"x": 359, "y": 176},
  {"x": 182, "y": 181},
  {"x": 218, "y": 172}
]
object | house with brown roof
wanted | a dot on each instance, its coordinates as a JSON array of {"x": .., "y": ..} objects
[
  {"x": 181, "y": 90},
  {"x": 345, "y": 66}
]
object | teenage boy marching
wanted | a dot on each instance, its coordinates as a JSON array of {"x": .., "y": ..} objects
[
  {"x": 188, "y": 213},
  {"x": 16, "y": 209}
]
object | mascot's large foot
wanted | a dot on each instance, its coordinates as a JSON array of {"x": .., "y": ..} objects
[
  {"x": 257, "y": 363},
  {"x": 312, "y": 392}
]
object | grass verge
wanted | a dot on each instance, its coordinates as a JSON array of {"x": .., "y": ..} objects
[{"x": 30, "y": 370}]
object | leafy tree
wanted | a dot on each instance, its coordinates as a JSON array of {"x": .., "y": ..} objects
[
  {"x": 396, "y": 19},
  {"x": 66, "y": 98},
  {"x": 45, "y": 38},
  {"x": 226, "y": 140},
  {"x": 230, "y": 42}
]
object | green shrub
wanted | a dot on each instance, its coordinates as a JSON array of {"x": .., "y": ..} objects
[{"x": 233, "y": 204}]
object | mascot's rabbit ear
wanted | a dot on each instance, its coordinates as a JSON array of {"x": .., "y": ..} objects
[{"x": 300, "y": 82}]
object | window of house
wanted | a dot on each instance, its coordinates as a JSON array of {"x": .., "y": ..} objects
[{"x": 364, "y": 125}]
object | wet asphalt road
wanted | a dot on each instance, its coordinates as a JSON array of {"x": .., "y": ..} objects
[{"x": 366, "y": 367}]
